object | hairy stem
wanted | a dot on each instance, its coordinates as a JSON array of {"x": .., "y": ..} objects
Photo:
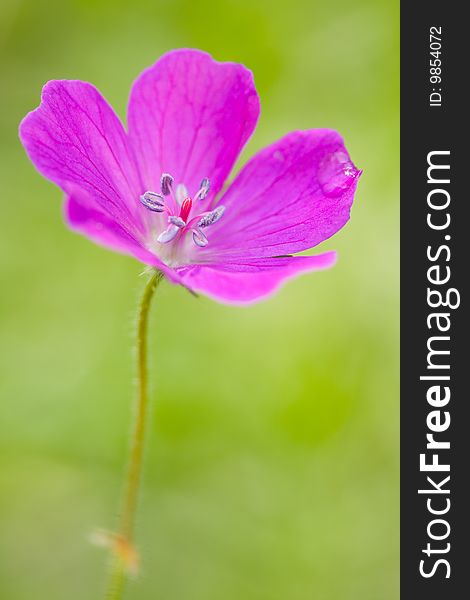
[{"x": 125, "y": 559}]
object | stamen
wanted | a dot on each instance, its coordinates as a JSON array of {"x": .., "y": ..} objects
[
  {"x": 178, "y": 221},
  {"x": 181, "y": 193},
  {"x": 186, "y": 209},
  {"x": 166, "y": 182},
  {"x": 203, "y": 189},
  {"x": 169, "y": 234},
  {"x": 175, "y": 224},
  {"x": 211, "y": 217},
  {"x": 182, "y": 222},
  {"x": 199, "y": 238},
  {"x": 153, "y": 201}
]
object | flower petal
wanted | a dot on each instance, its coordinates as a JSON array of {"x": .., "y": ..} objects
[
  {"x": 290, "y": 197},
  {"x": 76, "y": 140},
  {"x": 249, "y": 281},
  {"x": 190, "y": 116},
  {"x": 84, "y": 217}
]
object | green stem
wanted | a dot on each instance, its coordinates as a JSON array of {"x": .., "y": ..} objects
[{"x": 124, "y": 542}]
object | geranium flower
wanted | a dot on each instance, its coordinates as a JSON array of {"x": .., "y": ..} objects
[{"x": 155, "y": 191}]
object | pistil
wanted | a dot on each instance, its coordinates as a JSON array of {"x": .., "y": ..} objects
[{"x": 185, "y": 210}]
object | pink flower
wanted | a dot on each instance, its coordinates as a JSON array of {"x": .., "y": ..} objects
[{"x": 155, "y": 191}]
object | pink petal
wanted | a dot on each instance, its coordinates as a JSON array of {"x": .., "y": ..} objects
[
  {"x": 84, "y": 217},
  {"x": 249, "y": 281},
  {"x": 290, "y": 197},
  {"x": 76, "y": 140},
  {"x": 190, "y": 116}
]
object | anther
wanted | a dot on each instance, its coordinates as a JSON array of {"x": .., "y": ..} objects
[
  {"x": 199, "y": 238},
  {"x": 203, "y": 189},
  {"x": 169, "y": 234},
  {"x": 153, "y": 201},
  {"x": 211, "y": 217},
  {"x": 178, "y": 221},
  {"x": 175, "y": 224},
  {"x": 181, "y": 193},
  {"x": 166, "y": 183}
]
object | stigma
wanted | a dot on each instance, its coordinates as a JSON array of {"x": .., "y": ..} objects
[{"x": 182, "y": 214}]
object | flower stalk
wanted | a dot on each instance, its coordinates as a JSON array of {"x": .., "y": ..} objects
[{"x": 124, "y": 554}]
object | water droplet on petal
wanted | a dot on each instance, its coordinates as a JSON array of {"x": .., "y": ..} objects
[{"x": 336, "y": 173}]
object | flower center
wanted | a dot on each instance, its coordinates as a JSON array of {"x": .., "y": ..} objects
[{"x": 178, "y": 206}]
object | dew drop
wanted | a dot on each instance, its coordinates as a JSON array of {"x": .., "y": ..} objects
[{"x": 336, "y": 173}]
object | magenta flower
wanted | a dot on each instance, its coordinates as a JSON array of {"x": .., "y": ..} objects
[{"x": 155, "y": 191}]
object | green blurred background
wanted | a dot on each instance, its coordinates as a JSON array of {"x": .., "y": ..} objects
[{"x": 272, "y": 468}]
